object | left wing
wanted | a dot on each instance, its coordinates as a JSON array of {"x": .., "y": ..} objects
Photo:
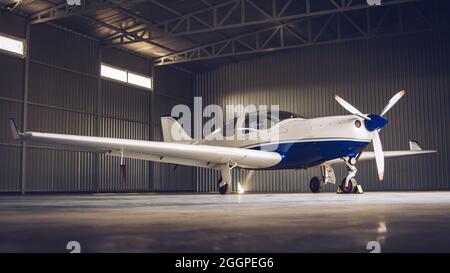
[{"x": 177, "y": 153}]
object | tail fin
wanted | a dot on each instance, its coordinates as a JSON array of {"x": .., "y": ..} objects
[
  {"x": 414, "y": 146},
  {"x": 172, "y": 131}
]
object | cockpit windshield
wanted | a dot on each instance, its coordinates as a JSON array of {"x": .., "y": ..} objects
[
  {"x": 282, "y": 115},
  {"x": 258, "y": 121}
]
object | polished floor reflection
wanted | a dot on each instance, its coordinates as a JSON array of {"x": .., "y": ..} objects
[{"x": 386, "y": 222}]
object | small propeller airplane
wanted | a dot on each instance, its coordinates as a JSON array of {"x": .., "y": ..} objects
[{"x": 300, "y": 143}]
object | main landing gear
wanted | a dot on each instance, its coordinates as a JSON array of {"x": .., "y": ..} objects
[
  {"x": 225, "y": 179},
  {"x": 316, "y": 184},
  {"x": 348, "y": 184},
  {"x": 222, "y": 188}
]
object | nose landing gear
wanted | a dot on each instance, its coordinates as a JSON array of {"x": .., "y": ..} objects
[{"x": 349, "y": 184}]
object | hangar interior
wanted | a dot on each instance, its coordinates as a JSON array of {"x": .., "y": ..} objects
[{"x": 297, "y": 55}]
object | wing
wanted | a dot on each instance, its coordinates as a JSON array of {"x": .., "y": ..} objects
[
  {"x": 415, "y": 149},
  {"x": 176, "y": 153},
  {"x": 390, "y": 154}
]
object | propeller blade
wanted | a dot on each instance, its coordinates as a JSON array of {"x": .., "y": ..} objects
[
  {"x": 393, "y": 101},
  {"x": 379, "y": 156},
  {"x": 350, "y": 108}
]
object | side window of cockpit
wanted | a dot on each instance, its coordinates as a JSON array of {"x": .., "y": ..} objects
[
  {"x": 253, "y": 122},
  {"x": 257, "y": 121},
  {"x": 230, "y": 127}
]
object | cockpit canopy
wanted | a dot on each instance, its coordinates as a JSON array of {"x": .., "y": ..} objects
[{"x": 257, "y": 120}]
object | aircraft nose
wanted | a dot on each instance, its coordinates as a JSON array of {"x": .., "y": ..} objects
[{"x": 375, "y": 122}]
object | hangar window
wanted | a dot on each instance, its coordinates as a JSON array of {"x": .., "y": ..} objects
[
  {"x": 139, "y": 80},
  {"x": 126, "y": 76},
  {"x": 114, "y": 73},
  {"x": 12, "y": 45}
]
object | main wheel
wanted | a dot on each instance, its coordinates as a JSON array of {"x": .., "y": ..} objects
[
  {"x": 351, "y": 185},
  {"x": 315, "y": 185},
  {"x": 224, "y": 188}
]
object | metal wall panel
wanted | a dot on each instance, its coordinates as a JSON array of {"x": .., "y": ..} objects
[
  {"x": 12, "y": 24},
  {"x": 55, "y": 87},
  {"x": 125, "y": 115},
  {"x": 125, "y": 102},
  {"x": 50, "y": 170},
  {"x": 11, "y": 93},
  {"x": 10, "y": 168},
  {"x": 51, "y": 120},
  {"x": 173, "y": 83},
  {"x": 172, "y": 87},
  {"x": 164, "y": 105},
  {"x": 53, "y": 169},
  {"x": 118, "y": 58},
  {"x": 9, "y": 109},
  {"x": 61, "y": 48},
  {"x": 11, "y": 76},
  {"x": 366, "y": 73}
]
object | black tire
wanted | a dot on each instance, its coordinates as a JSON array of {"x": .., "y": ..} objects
[
  {"x": 351, "y": 185},
  {"x": 224, "y": 189},
  {"x": 315, "y": 185}
]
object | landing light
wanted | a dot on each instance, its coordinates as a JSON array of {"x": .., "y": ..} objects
[{"x": 240, "y": 189}]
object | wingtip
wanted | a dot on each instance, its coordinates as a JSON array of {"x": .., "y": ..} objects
[{"x": 14, "y": 130}]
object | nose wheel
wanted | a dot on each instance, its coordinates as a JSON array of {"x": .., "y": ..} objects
[{"x": 349, "y": 184}]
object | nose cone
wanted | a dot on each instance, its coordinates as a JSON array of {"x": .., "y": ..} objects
[{"x": 375, "y": 122}]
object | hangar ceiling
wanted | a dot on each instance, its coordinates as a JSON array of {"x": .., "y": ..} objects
[{"x": 219, "y": 32}]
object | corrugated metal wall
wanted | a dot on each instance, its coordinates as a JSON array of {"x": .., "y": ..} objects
[
  {"x": 11, "y": 93},
  {"x": 172, "y": 87},
  {"x": 66, "y": 96},
  {"x": 366, "y": 73}
]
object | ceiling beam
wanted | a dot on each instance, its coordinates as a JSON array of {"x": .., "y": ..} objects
[
  {"x": 65, "y": 10},
  {"x": 143, "y": 21},
  {"x": 117, "y": 30},
  {"x": 310, "y": 31},
  {"x": 236, "y": 13},
  {"x": 126, "y": 35}
]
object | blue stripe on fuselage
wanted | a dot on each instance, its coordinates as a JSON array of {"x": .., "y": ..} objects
[{"x": 306, "y": 154}]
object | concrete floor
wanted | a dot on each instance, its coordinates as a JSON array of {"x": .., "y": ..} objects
[{"x": 327, "y": 222}]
